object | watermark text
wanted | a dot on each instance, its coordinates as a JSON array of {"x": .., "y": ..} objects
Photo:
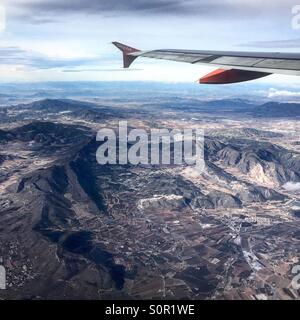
[{"x": 151, "y": 147}]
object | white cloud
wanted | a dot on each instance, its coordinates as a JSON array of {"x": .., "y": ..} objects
[
  {"x": 2, "y": 18},
  {"x": 60, "y": 50},
  {"x": 274, "y": 93},
  {"x": 291, "y": 186}
]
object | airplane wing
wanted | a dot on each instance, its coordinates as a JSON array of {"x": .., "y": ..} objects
[{"x": 234, "y": 66}]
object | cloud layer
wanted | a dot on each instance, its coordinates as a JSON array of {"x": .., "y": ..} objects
[
  {"x": 274, "y": 93},
  {"x": 18, "y": 56},
  {"x": 289, "y": 43},
  {"x": 212, "y": 8},
  {"x": 39, "y": 30}
]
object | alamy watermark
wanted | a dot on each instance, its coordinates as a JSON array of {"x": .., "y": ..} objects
[
  {"x": 296, "y": 279},
  {"x": 151, "y": 147},
  {"x": 2, "y": 278},
  {"x": 296, "y": 17},
  {"x": 2, "y": 18}
]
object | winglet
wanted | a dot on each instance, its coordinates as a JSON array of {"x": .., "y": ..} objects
[{"x": 126, "y": 50}]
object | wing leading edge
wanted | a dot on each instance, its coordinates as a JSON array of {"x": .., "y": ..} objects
[{"x": 234, "y": 66}]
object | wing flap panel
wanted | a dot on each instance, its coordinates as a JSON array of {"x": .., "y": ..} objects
[
  {"x": 279, "y": 64},
  {"x": 180, "y": 57},
  {"x": 236, "y": 61}
]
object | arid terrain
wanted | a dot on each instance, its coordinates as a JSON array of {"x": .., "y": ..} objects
[{"x": 71, "y": 228}]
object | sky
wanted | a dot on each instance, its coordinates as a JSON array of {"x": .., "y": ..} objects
[{"x": 70, "y": 40}]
